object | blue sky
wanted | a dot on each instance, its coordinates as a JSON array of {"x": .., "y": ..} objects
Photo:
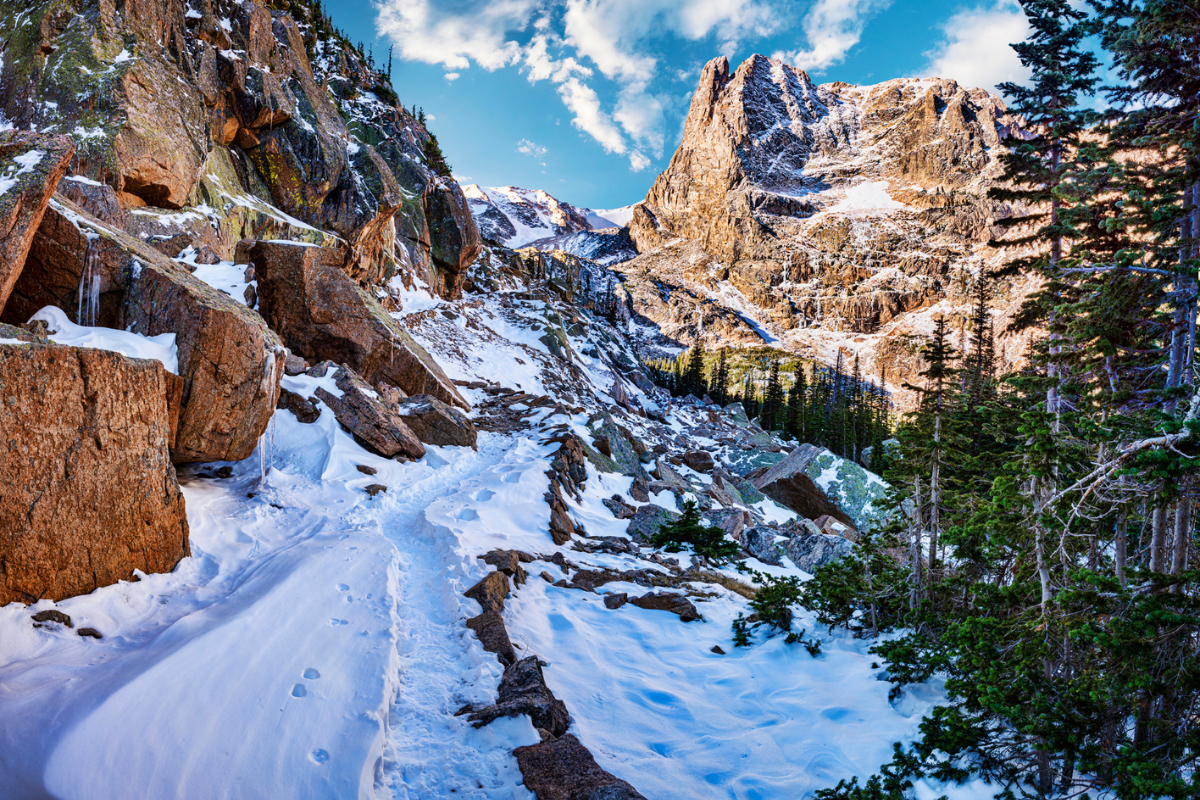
[{"x": 586, "y": 98}]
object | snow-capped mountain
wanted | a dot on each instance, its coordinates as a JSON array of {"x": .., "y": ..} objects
[
  {"x": 517, "y": 217},
  {"x": 610, "y": 218}
]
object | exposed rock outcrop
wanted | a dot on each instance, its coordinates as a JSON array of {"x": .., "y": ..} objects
[
  {"x": 31, "y": 165},
  {"x": 87, "y": 490},
  {"x": 434, "y": 422},
  {"x": 563, "y": 769},
  {"x": 321, "y": 313},
  {"x": 230, "y": 362},
  {"x": 253, "y": 122},
  {"x": 360, "y": 411},
  {"x": 523, "y": 690},
  {"x": 787, "y": 484}
]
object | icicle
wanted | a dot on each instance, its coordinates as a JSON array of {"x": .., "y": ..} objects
[{"x": 89, "y": 286}]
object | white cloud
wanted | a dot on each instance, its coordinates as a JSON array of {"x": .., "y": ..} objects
[
  {"x": 832, "y": 27},
  {"x": 976, "y": 51},
  {"x": 582, "y": 101},
  {"x": 641, "y": 116},
  {"x": 637, "y": 161},
  {"x": 571, "y": 40},
  {"x": 441, "y": 33},
  {"x": 528, "y": 148}
]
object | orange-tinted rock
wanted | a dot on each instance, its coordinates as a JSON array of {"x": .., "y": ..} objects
[
  {"x": 31, "y": 165},
  {"x": 231, "y": 363},
  {"x": 322, "y": 314},
  {"x": 88, "y": 493}
]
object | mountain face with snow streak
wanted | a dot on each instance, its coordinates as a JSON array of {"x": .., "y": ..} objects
[
  {"x": 831, "y": 218},
  {"x": 518, "y": 217}
]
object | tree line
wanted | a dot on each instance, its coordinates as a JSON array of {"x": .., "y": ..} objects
[{"x": 826, "y": 406}]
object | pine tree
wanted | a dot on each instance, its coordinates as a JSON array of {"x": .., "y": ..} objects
[
  {"x": 719, "y": 388},
  {"x": 772, "y": 407}
]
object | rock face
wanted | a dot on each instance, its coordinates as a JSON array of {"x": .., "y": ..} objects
[
  {"x": 434, "y": 422},
  {"x": 808, "y": 551},
  {"x": 370, "y": 421},
  {"x": 252, "y": 121},
  {"x": 87, "y": 492},
  {"x": 830, "y": 216},
  {"x": 563, "y": 769},
  {"x": 31, "y": 165},
  {"x": 230, "y": 362},
  {"x": 322, "y": 314}
]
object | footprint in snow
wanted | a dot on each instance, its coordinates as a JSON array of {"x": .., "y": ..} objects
[
  {"x": 299, "y": 691},
  {"x": 336, "y": 622},
  {"x": 468, "y": 514},
  {"x": 483, "y": 495},
  {"x": 311, "y": 674},
  {"x": 318, "y": 756}
]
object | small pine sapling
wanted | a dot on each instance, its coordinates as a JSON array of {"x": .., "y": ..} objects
[{"x": 687, "y": 531}]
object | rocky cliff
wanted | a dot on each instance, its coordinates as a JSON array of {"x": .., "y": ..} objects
[
  {"x": 223, "y": 120},
  {"x": 824, "y": 217}
]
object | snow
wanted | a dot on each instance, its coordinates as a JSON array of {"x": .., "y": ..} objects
[
  {"x": 160, "y": 348},
  {"x": 869, "y": 196},
  {"x": 79, "y": 132},
  {"x": 614, "y": 217},
  {"x": 224, "y": 276},
  {"x": 12, "y": 341},
  {"x": 83, "y": 180},
  {"x": 25, "y": 164},
  {"x": 533, "y": 213},
  {"x": 314, "y": 638}
]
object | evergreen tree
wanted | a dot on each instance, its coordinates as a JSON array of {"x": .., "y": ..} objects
[{"x": 772, "y": 406}]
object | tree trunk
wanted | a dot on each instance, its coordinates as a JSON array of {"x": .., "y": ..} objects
[
  {"x": 1158, "y": 536},
  {"x": 1183, "y": 525},
  {"x": 1121, "y": 546}
]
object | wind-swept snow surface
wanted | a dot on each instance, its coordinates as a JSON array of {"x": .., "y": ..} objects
[{"x": 314, "y": 646}]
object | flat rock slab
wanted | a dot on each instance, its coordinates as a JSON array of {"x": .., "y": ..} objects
[
  {"x": 563, "y": 769},
  {"x": 321, "y": 313},
  {"x": 31, "y": 165},
  {"x": 88, "y": 493},
  {"x": 788, "y": 484},
  {"x": 434, "y": 422}
]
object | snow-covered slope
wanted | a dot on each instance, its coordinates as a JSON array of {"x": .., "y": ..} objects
[
  {"x": 614, "y": 217},
  {"x": 314, "y": 640},
  {"x": 517, "y": 217}
]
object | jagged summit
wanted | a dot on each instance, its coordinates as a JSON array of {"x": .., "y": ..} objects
[
  {"x": 518, "y": 218},
  {"x": 829, "y": 217}
]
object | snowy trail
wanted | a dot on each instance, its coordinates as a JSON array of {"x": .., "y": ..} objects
[{"x": 430, "y": 752}]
